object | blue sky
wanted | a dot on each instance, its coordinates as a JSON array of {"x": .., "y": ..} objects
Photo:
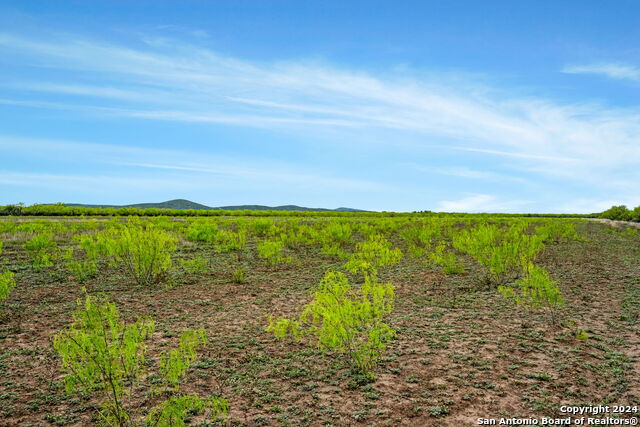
[{"x": 476, "y": 106}]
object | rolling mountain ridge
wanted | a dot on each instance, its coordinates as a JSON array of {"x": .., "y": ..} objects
[{"x": 187, "y": 204}]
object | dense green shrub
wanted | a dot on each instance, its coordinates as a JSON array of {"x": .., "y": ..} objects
[
  {"x": 446, "y": 259},
  {"x": 202, "y": 231},
  {"x": 536, "y": 291},
  {"x": 144, "y": 253},
  {"x": 102, "y": 355},
  {"x": 42, "y": 249},
  {"x": 334, "y": 237},
  {"x": 621, "y": 213},
  {"x": 343, "y": 319},
  {"x": 271, "y": 252},
  {"x": 337, "y": 231},
  {"x": 221, "y": 240},
  {"x": 12, "y": 210},
  {"x": 299, "y": 235},
  {"x": 501, "y": 252},
  {"x": 618, "y": 213},
  {"x": 228, "y": 241},
  {"x": 174, "y": 363},
  {"x": 558, "y": 230},
  {"x": 422, "y": 237},
  {"x": 7, "y": 283},
  {"x": 373, "y": 253},
  {"x": 263, "y": 227}
]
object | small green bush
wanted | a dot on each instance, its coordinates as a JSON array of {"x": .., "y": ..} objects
[
  {"x": 81, "y": 270},
  {"x": 263, "y": 227},
  {"x": 175, "y": 410},
  {"x": 271, "y": 252},
  {"x": 82, "y": 261},
  {"x": 344, "y": 320},
  {"x": 556, "y": 230},
  {"x": 337, "y": 231},
  {"x": 373, "y": 253},
  {"x": 144, "y": 253},
  {"x": 537, "y": 291},
  {"x": 238, "y": 276},
  {"x": 228, "y": 241},
  {"x": 222, "y": 241},
  {"x": 100, "y": 354},
  {"x": 7, "y": 283},
  {"x": 446, "y": 260},
  {"x": 421, "y": 238},
  {"x": 581, "y": 335},
  {"x": 500, "y": 252},
  {"x": 42, "y": 250},
  {"x": 334, "y": 237},
  {"x": 202, "y": 231},
  {"x": 174, "y": 364}
]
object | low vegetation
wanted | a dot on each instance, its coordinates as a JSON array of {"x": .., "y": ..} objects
[
  {"x": 345, "y": 320},
  {"x": 103, "y": 355},
  {"x": 7, "y": 283},
  {"x": 302, "y": 319},
  {"x": 621, "y": 213}
]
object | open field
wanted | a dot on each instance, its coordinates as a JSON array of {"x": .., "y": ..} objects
[{"x": 468, "y": 341}]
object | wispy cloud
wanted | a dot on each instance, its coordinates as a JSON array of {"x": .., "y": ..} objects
[
  {"x": 611, "y": 70},
  {"x": 89, "y": 182},
  {"x": 466, "y": 172},
  {"x": 149, "y": 95},
  {"x": 517, "y": 154},
  {"x": 173, "y": 81},
  {"x": 197, "y": 166},
  {"x": 272, "y": 177}
]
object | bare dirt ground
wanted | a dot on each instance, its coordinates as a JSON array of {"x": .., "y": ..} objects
[{"x": 619, "y": 224}]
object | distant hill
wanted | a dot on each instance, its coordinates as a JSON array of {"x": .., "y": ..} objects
[
  {"x": 187, "y": 204},
  {"x": 170, "y": 204}
]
